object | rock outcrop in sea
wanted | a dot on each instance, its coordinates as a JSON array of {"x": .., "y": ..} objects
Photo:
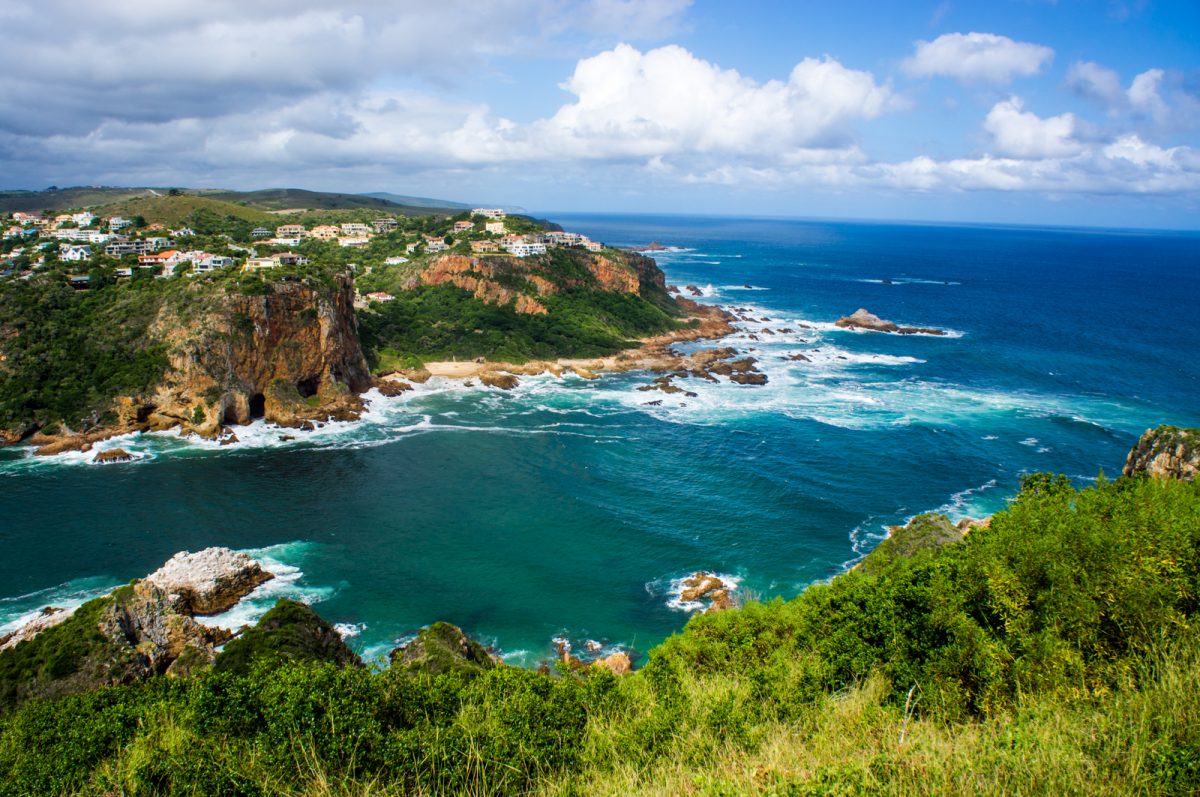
[
  {"x": 864, "y": 319},
  {"x": 442, "y": 648},
  {"x": 1166, "y": 452},
  {"x": 209, "y": 581}
]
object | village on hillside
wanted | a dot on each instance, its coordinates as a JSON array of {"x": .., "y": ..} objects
[{"x": 118, "y": 247}]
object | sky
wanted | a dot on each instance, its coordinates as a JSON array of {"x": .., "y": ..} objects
[{"x": 1075, "y": 112}]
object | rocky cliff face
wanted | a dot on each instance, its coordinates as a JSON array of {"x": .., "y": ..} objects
[
  {"x": 1167, "y": 452},
  {"x": 501, "y": 280}
]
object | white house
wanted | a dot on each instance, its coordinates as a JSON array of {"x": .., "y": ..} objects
[
  {"x": 525, "y": 248},
  {"x": 356, "y": 230},
  {"x": 395, "y": 261},
  {"x": 496, "y": 227},
  {"x": 210, "y": 263},
  {"x": 118, "y": 223},
  {"x": 353, "y": 240},
  {"x": 489, "y": 213},
  {"x": 463, "y": 226},
  {"x": 83, "y": 219},
  {"x": 75, "y": 254}
]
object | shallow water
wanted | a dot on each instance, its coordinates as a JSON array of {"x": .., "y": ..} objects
[{"x": 570, "y": 508}]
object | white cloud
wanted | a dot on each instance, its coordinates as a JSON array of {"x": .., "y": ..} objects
[
  {"x": 1096, "y": 82},
  {"x": 977, "y": 57},
  {"x": 1144, "y": 95},
  {"x": 1022, "y": 134}
]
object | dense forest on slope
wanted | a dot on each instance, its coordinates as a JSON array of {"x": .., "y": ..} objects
[{"x": 1052, "y": 652}]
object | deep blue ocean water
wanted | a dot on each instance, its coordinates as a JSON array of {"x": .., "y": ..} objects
[{"x": 570, "y": 508}]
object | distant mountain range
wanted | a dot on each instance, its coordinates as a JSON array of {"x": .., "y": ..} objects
[{"x": 271, "y": 199}]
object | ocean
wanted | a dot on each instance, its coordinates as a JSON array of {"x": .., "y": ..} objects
[{"x": 571, "y": 509}]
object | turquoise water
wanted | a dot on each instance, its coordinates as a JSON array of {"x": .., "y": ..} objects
[{"x": 568, "y": 508}]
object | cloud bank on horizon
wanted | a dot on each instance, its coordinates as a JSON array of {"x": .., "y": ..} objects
[{"x": 522, "y": 96}]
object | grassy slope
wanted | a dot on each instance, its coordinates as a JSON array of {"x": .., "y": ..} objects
[
  {"x": 65, "y": 198},
  {"x": 175, "y": 211},
  {"x": 1049, "y": 654}
]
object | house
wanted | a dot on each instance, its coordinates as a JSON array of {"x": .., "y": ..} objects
[
  {"x": 356, "y": 230},
  {"x": 463, "y": 226},
  {"x": 353, "y": 240},
  {"x": 592, "y": 246},
  {"x": 484, "y": 247},
  {"x": 123, "y": 273},
  {"x": 28, "y": 218},
  {"x": 80, "y": 282},
  {"x": 410, "y": 248},
  {"x": 290, "y": 259},
  {"x": 75, "y": 254},
  {"x": 564, "y": 238},
  {"x": 118, "y": 223},
  {"x": 489, "y": 213},
  {"x": 210, "y": 263},
  {"x": 168, "y": 258},
  {"x": 384, "y": 225},
  {"x": 324, "y": 232},
  {"x": 259, "y": 263},
  {"x": 63, "y": 218},
  {"x": 278, "y": 241},
  {"x": 436, "y": 245},
  {"x": 83, "y": 219},
  {"x": 525, "y": 249},
  {"x": 135, "y": 247},
  {"x": 380, "y": 296},
  {"x": 395, "y": 261},
  {"x": 290, "y": 231},
  {"x": 496, "y": 227},
  {"x": 260, "y": 232},
  {"x": 183, "y": 232}
]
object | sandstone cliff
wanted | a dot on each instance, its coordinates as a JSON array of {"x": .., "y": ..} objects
[{"x": 1167, "y": 452}]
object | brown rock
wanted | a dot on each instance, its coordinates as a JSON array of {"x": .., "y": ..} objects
[
  {"x": 499, "y": 380},
  {"x": 1167, "y": 452},
  {"x": 113, "y": 455},
  {"x": 618, "y": 662},
  {"x": 799, "y": 358}
]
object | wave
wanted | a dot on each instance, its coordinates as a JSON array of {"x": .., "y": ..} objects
[
  {"x": 671, "y": 590},
  {"x": 907, "y": 281},
  {"x": 960, "y": 503},
  {"x": 284, "y": 560}
]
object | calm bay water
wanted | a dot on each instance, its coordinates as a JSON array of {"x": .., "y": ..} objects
[{"x": 568, "y": 507}]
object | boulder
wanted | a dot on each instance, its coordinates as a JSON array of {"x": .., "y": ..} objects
[
  {"x": 706, "y": 356},
  {"x": 618, "y": 663},
  {"x": 392, "y": 387},
  {"x": 584, "y": 373},
  {"x": 864, "y": 319},
  {"x": 799, "y": 358},
  {"x": 749, "y": 378},
  {"x": 208, "y": 581},
  {"x": 699, "y": 585},
  {"x": 113, "y": 455},
  {"x": 145, "y": 625},
  {"x": 499, "y": 380},
  {"x": 1167, "y": 452}
]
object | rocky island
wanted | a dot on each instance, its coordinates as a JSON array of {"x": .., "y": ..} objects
[{"x": 865, "y": 320}]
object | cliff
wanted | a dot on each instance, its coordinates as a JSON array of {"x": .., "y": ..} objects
[
  {"x": 286, "y": 351},
  {"x": 1166, "y": 452}
]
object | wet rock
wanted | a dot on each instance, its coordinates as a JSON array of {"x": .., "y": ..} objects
[
  {"x": 706, "y": 356},
  {"x": 694, "y": 291},
  {"x": 655, "y": 403},
  {"x": 499, "y": 380},
  {"x": 392, "y": 387},
  {"x": 307, "y": 426},
  {"x": 417, "y": 375},
  {"x": 864, "y": 319},
  {"x": 113, "y": 455},
  {"x": 584, "y": 373},
  {"x": 228, "y": 439},
  {"x": 208, "y": 581},
  {"x": 749, "y": 378},
  {"x": 799, "y": 358}
]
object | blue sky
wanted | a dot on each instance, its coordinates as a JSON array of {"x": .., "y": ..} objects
[{"x": 1011, "y": 111}]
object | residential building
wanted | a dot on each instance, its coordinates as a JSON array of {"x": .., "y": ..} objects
[
  {"x": 380, "y": 296},
  {"x": 75, "y": 254},
  {"x": 183, "y": 232},
  {"x": 525, "y": 249},
  {"x": 118, "y": 223},
  {"x": 354, "y": 240},
  {"x": 463, "y": 226},
  {"x": 135, "y": 247},
  {"x": 356, "y": 230},
  {"x": 260, "y": 232},
  {"x": 496, "y": 227},
  {"x": 324, "y": 232},
  {"x": 63, "y": 218},
  {"x": 592, "y": 246},
  {"x": 484, "y": 247},
  {"x": 290, "y": 231},
  {"x": 436, "y": 245},
  {"x": 489, "y": 213},
  {"x": 169, "y": 257},
  {"x": 290, "y": 259},
  {"x": 259, "y": 263},
  {"x": 211, "y": 263},
  {"x": 395, "y": 261},
  {"x": 564, "y": 238},
  {"x": 28, "y": 218},
  {"x": 281, "y": 241},
  {"x": 83, "y": 219},
  {"x": 409, "y": 248},
  {"x": 384, "y": 225}
]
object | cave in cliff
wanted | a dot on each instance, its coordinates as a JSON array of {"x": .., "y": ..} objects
[{"x": 258, "y": 406}]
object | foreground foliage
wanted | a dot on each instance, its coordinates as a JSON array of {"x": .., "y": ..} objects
[{"x": 1051, "y": 653}]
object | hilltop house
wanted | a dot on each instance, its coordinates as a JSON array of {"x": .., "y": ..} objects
[
  {"x": 489, "y": 213},
  {"x": 324, "y": 232},
  {"x": 463, "y": 226},
  {"x": 380, "y": 296},
  {"x": 209, "y": 263},
  {"x": 384, "y": 225},
  {"x": 496, "y": 227},
  {"x": 118, "y": 223},
  {"x": 523, "y": 248},
  {"x": 290, "y": 231},
  {"x": 353, "y": 229},
  {"x": 484, "y": 247},
  {"x": 260, "y": 232},
  {"x": 395, "y": 261}
]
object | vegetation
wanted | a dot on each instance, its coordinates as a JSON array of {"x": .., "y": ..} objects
[{"x": 1051, "y": 653}]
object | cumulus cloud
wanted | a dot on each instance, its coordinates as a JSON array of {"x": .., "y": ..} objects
[
  {"x": 1022, "y": 134},
  {"x": 1089, "y": 79},
  {"x": 1144, "y": 95},
  {"x": 1144, "y": 98},
  {"x": 977, "y": 58}
]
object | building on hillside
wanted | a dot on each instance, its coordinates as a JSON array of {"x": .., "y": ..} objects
[
  {"x": 484, "y": 247},
  {"x": 83, "y": 219},
  {"x": 395, "y": 261},
  {"x": 592, "y": 246},
  {"x": 211, "y": 263},
  {"x": 463, "y": 226},
  {"x": 489, "y": 213},
  {"x": 436, "y": 245},
  {"x": 80, "y": 282},
  {"x": 278, "y": 241},
  {"x": 28, "y": 218},
  {"x": 259, "y": 263},
  {"x": 290, "y": 231},
  {"x": 496, "y": 227},
  {"x": 564, "y": 238},
  {"x": 380, "y": 296},
  {"x": 75, "y": 254},
  {"x": 353, "y": 240},
  {"x": 384, "y": 225},
  {"x": 356, "y": 230},
  {"x": 183, "y": 232},
  {"x": 63, "y": 218},
  {"x": 290, "y": 259},
  {"x": 118, "y": 223},
  {"x": 260, "y": 232},
  {"x": 168, "y": 257},
  {"x": 525, "y": 248},
  {"x": 409, "y": 248},
  {"x": 324, "y": 232},
  {"x": 135, "y": 247}
]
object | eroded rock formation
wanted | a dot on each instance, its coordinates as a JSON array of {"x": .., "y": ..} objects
[{"x": 1167, "y": 452}]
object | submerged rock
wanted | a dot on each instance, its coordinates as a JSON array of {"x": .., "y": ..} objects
[
  {"x": 442, "y": 648},
  {"x": 704, "y": 587},
  {"x": 1167, "y": 452},
  {"x": 208, "y": 581}
]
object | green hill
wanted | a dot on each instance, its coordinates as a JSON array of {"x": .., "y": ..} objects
[
  {"x": 68, "y": 198},
  {"x": 298, "y": 199},
  {"x": 175, "y": 211}
]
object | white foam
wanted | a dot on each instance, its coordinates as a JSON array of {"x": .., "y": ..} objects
[
  {"x": 349, "y": 630},
  {"x": 672, "y": 590}
]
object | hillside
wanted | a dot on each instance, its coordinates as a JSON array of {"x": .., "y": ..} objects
[
  {"x": 67, "y": 198},
  {"x": 178, "y": 210},
  {"x": 298, "y": 199},
  {"x": 419, "y": 201},
  {"x": 1050, "y": 652}
]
